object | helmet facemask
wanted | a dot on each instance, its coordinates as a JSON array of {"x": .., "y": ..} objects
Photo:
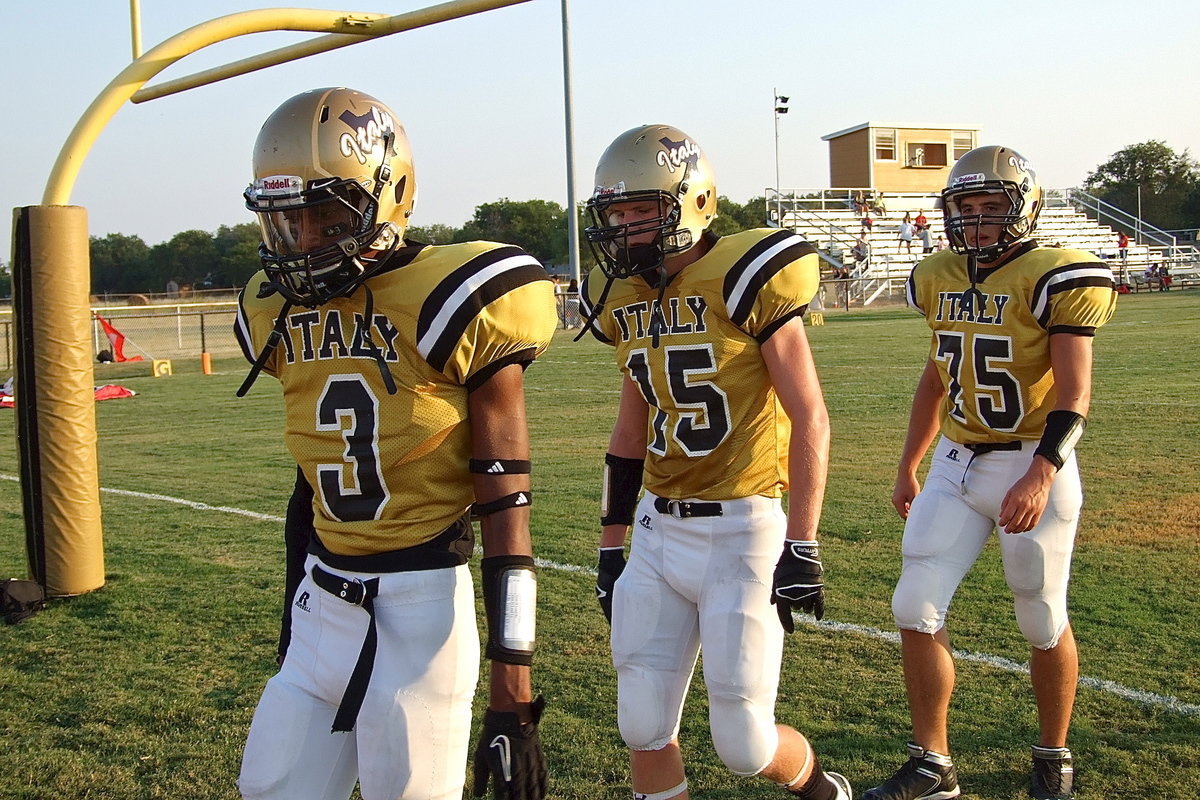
[
  {"x": 319, "y": 242},
  {"x": 991, "y": 170},
  {"x": 963, "y": 229},
  {"x": 611, "y": 243}
]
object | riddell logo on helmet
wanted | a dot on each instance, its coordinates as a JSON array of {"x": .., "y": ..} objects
[
  {"x": 605, "y": 192},
  {"x": 970, "y": 177},
  {"x": 677, "y": 154},
  {"x": 279, "y": 184}
]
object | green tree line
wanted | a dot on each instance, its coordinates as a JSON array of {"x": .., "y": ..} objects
[
  {"x": 123, "y": 264},
  {"x": 1165, "y": 185},
  {"x": 1168, "y": 183}
]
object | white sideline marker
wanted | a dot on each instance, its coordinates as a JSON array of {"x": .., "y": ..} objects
[{"x": 1173, "y": 704}]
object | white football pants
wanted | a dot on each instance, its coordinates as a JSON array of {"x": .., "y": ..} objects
[
  {"x": 949, "y": 524},
  {"x": 411, "y": 738},
  {"x": 692, "y": 583}
]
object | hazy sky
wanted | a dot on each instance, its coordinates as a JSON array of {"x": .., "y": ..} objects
[{"x": 1066, "y": 83}]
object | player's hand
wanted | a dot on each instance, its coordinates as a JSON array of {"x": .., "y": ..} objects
[
  {"x": 798, "y": 582},
  {"x": 511, "y": 753},
  {"x": 1025, "y": 502},
  {"x": 612, "y": 564},
  {"x": 906, "y": 490}
]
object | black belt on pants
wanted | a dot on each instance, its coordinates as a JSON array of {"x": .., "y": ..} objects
[
  {"x": 356, "y": 593},
  {"x": 684, "y": 508},
  {"x": 992, "y": 447}
]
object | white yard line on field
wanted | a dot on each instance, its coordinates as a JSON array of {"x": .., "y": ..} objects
[{"x": 1139, "y": 696}]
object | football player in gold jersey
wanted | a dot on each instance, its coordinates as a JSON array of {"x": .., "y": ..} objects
[
  {"x": 1008, "y": 383},
  {"x": 401, "y": 366},
  {"x": 720, "y": 412}
]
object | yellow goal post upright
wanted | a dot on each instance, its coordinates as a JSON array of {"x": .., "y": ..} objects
[{"x": 56, "y": 417}]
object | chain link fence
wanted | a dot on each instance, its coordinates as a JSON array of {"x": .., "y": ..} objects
[{"x": 179, "y": 330}]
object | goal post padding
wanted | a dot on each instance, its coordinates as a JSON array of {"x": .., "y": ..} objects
[{"x": 55, "y": 400}]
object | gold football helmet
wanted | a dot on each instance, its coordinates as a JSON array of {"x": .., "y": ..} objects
[
  {"x": 986, "y": 170},
  {"x": 651, "y": 163},
  {"x": 333, "y": 190}
]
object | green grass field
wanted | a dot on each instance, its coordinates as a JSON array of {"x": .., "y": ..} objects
[{"x": 145, "y": 688}]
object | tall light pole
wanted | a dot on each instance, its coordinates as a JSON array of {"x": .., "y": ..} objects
[
  {"x": 780, "y": 108},
  {"x": 572, "y": 218}
]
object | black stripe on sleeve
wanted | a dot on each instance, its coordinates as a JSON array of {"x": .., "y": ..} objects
[
  {"x": 763, "y": 273},
  {"x": 522, "y": 357},
  {"x": 1066, "y": 286},
  {"x": 1078, "y": 330},
  {"x": 768, "y": 331},
  {"x": 495, "y": 287}
]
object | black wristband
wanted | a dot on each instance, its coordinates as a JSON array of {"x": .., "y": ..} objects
[
  {"x": 1063, "y": 431},
  {"x": 622, "y": 482},
  {"x": 499, "y": 466},
  {"x": 481, "y": 510}
]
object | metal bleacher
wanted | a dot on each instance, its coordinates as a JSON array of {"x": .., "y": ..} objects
[{"x": 827, "y": 218}]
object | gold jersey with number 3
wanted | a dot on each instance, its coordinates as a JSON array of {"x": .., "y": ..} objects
[
  {"x": 992, "y": 349},
  {"x": 390, "y": 471},
  {"x": 716, "y": 429}
]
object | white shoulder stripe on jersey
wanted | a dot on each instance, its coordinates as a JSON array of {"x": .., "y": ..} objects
[
  {"x": 1082, "y": 271},
  {"x": 438, "y": 326},
  {"x": 734, "y": 300}
]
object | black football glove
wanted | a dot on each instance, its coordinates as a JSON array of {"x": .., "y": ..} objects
[
  {"x": 512, "y": 754},
  {"x": 612, "y": 564},
  {"x": 798, "y": 583}
]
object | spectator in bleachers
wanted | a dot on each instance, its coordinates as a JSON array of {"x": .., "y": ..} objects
[
  {"x": 1164, "y": 279},
  {"x": 941, "y": 243},
  {"x": 860, "y": 203},
  {"x": 926, "y": 239},
  {"x": 877, "y": 204},
  {"x": 921, "y": 222},
  {"x": 906, "y": 231},
  {"x": 1122, "y": 246},
  {"x": 861, "y": 252},
  {"x": 867, "y": 222}
]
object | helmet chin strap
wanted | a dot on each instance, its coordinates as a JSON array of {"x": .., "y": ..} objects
[
  {"x": 658, "y": 321},
  {"x": 972, "y": 295},
  {"x": 369, "y": 313}
]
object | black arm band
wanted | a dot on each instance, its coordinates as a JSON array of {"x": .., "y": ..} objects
[
  {"x": 1063, "y": 431},
  {"x": 481, "y": 510},
  {"x": 499, "y": 466},
  {"x": 622, "y": 482},
  {"x": 510, "y": 601}
]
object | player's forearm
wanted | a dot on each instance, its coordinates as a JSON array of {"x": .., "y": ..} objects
[
  {"x": 613, "y": 535},
  {"x": 510, "y": 689},
  {"x": 506, "y": 533},
  {"x": 808, "y": 468},
  {"x": 923, "y": 422}
]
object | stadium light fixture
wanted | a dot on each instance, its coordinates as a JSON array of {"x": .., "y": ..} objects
[{"x": 781, "y": 107}]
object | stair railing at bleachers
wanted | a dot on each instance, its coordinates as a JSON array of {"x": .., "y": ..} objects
[{"x": 1145, "y": 233}]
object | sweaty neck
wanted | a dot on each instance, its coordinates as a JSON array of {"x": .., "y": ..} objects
[{"x": 678, "y": 261}]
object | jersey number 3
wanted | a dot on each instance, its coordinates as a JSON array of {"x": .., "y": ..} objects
[
  {"x": 996, "y": 392},
  {"x": 348, "y": 405}
]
